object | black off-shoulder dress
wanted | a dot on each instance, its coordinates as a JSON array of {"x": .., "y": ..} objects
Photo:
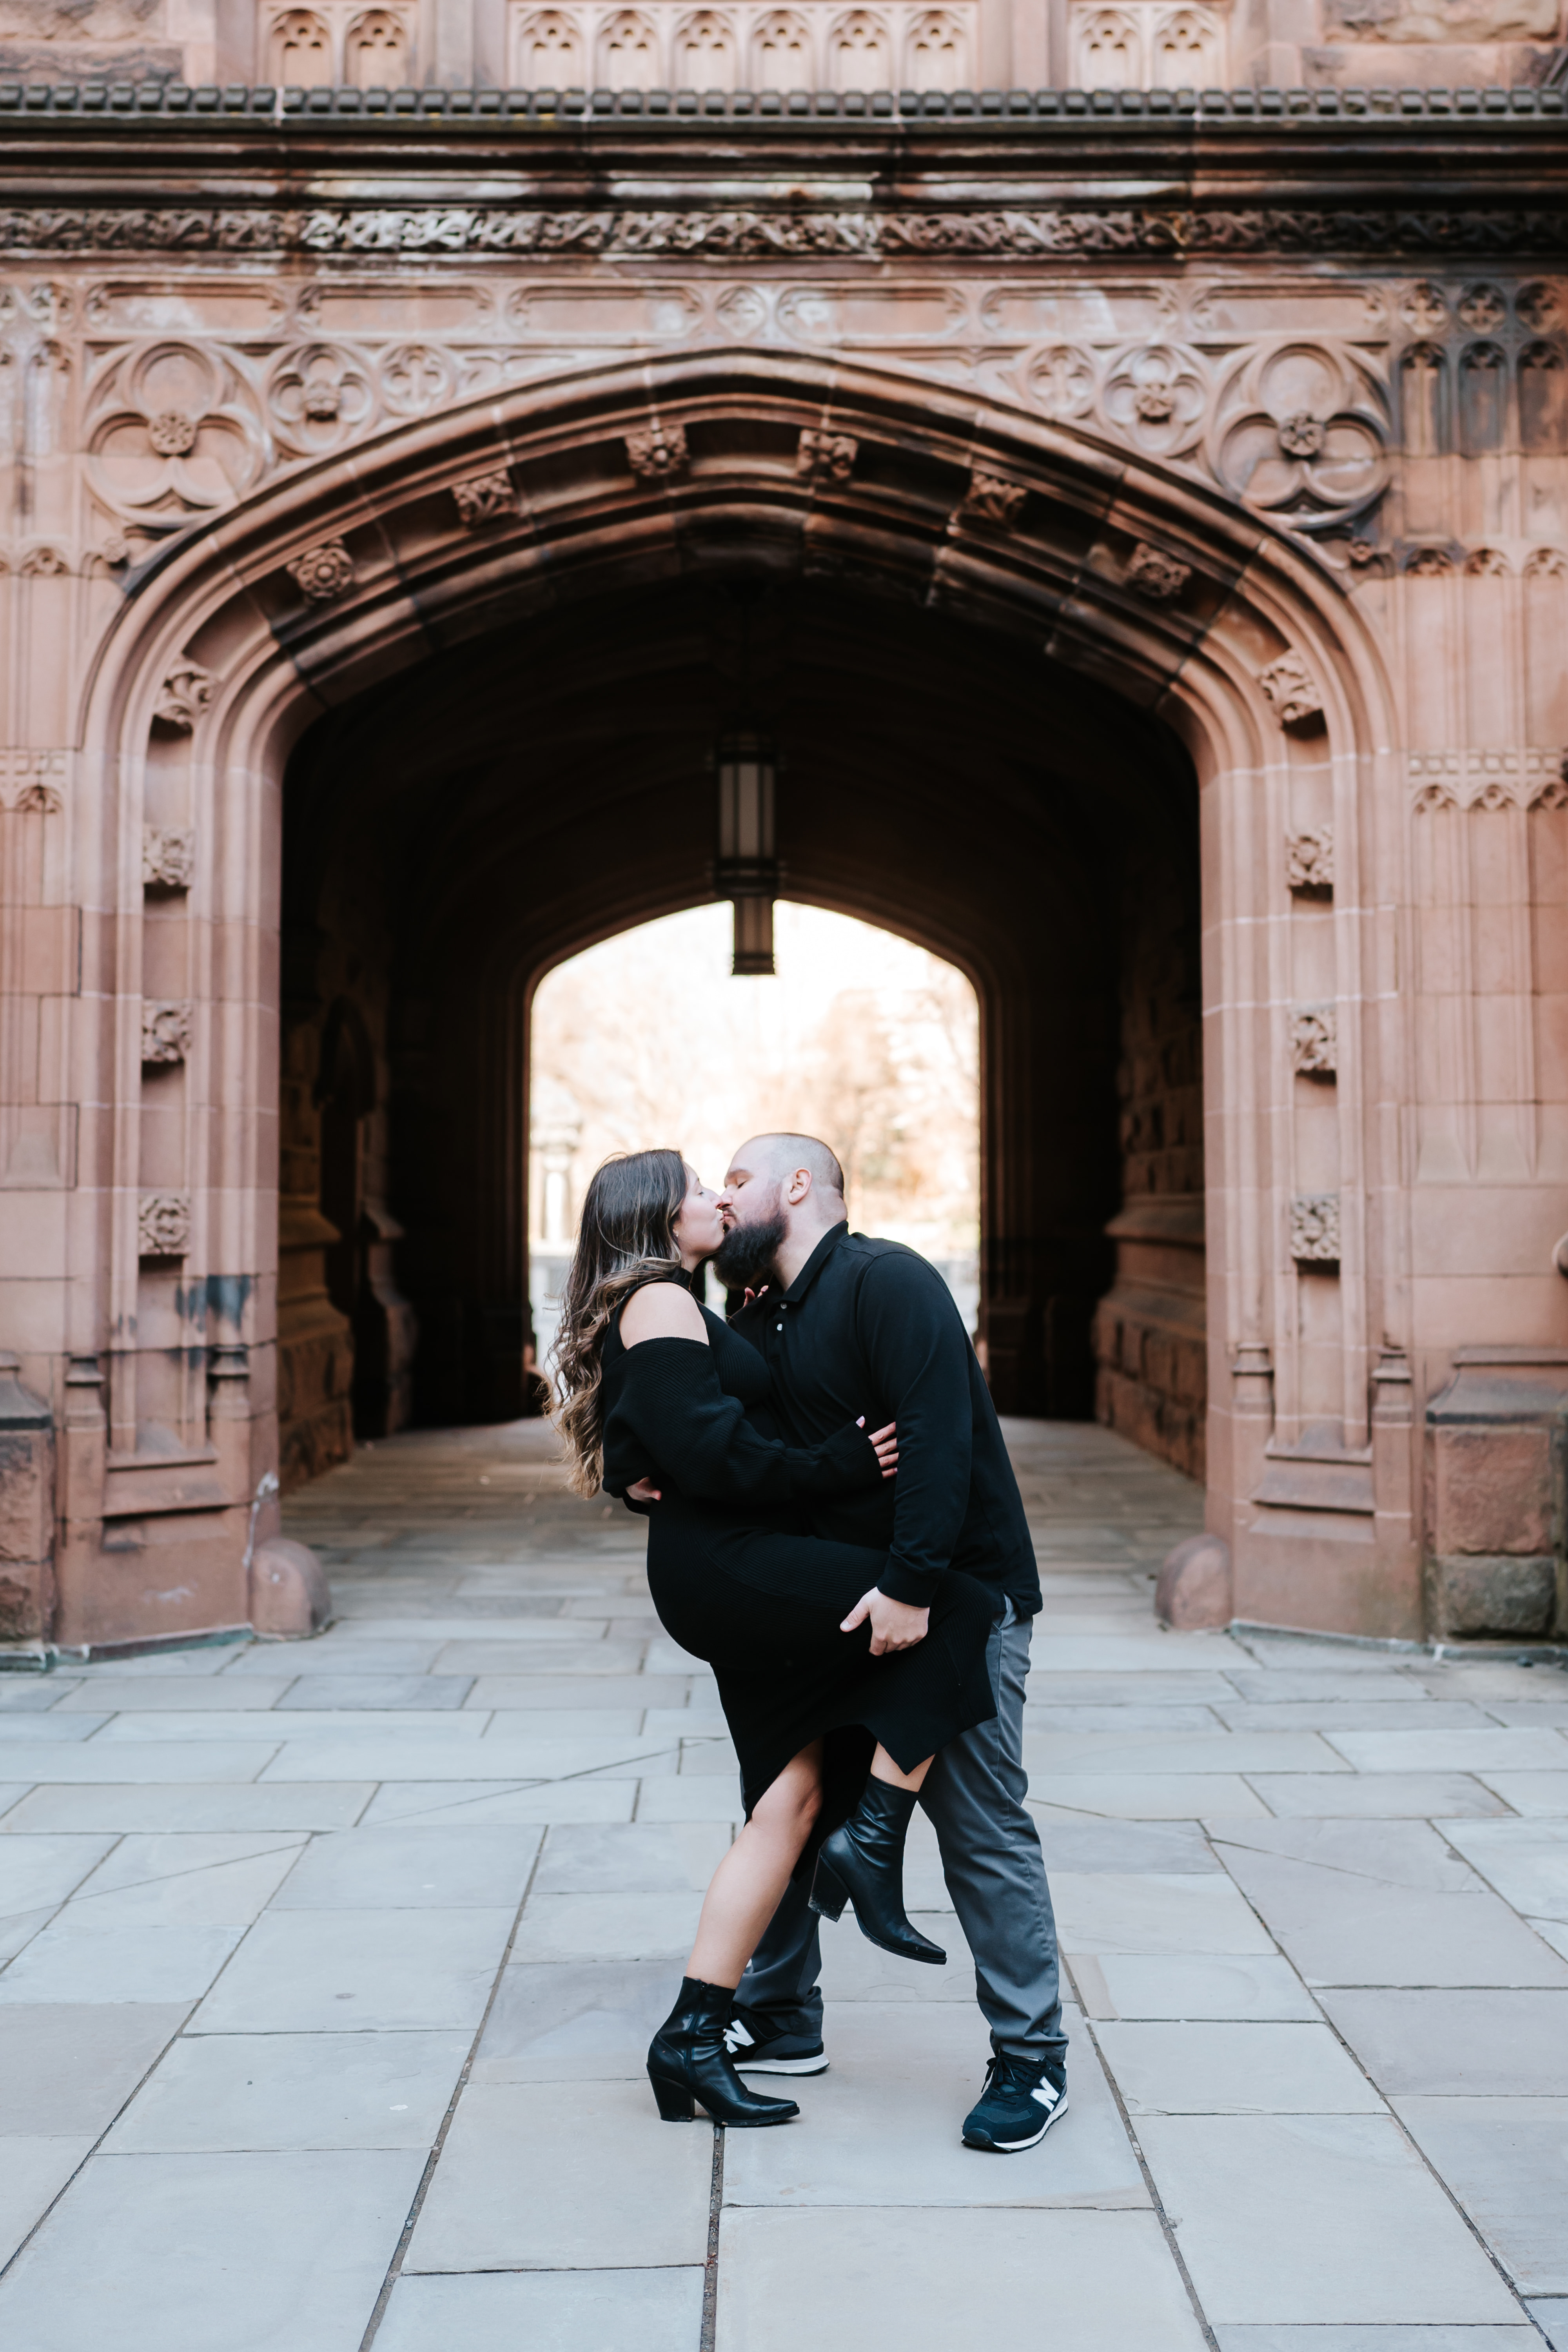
[{"x": 739, "y": 1580}]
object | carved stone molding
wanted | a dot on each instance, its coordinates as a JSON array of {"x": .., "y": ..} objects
[
  {"x": 1291, "y": 688},
  {"x": 1153, "y": 573},
  {"x": 322, "y": 572},
  {"x": 1315, "y": 1229},
  {"x": 1087, "y": 227},
  {"x": 1310, "y": 859},
  {"x": 33, "y": 783},
  {"x": 1314, "y": 1041},
  {"x": 989, "y": 497},
  {"x": 1430, "y": 563},
  {"x": 163, "y": 1225},
  {"x": 1486, "y": 778},
  {"x": 659, "y": 454},
  {"x": 1488, "y": 563},
  {"x": 825, "y": 457},
  {"x": 1546, "y": 563},
  {"x": 168, "y": 857},
  {"x": 166, "y": 1031},
  {"x": 184, "y": 693},
  {"x": 488, "y": 497}
]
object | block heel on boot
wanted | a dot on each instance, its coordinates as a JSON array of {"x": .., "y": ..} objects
[
  {"x": 688, "y": 2065},
  {"x": 862, "y": 1863}
]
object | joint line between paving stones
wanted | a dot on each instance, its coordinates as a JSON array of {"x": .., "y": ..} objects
[
  {"x": 708, "y": 2337},
  {"x": 1137, "y": 2146},
  {"x": 395, "y": 2268}
]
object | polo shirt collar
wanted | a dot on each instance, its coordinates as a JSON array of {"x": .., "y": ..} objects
[{"x": 815, "y": 1264}]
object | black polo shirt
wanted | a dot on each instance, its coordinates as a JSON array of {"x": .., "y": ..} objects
[{"x": 867, "y": 1326}]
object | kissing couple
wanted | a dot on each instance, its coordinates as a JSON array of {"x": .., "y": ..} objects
[{"x": 836, "y": 1529}]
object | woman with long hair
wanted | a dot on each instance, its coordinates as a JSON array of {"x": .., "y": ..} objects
[{"x": 661, "y": 1398}]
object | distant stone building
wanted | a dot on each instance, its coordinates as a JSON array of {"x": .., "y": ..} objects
[{"x": 1115, "y": 453}]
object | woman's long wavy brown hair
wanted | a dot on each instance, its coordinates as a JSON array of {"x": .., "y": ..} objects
[{"x": 626, "y": 1237}]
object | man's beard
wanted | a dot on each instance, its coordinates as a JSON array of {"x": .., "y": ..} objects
[{"x": 747, "y": 1252}]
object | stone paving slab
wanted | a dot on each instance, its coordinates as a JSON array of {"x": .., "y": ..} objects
[
  {"x": 459, "y": 1866},
  {"x": 927, "y": 2281},
  {"x": 1507, "y": 2161},
  {"x": 211, "y": 2253},
  {"x": 1193, "y": 2068},
  {"x": 1242, "y": 1988},
  {"x": 67, "y": 2067},
  {"x": 1317, "y": 2219},
  {"x": 561, "y": 2311},
  {"x": 220, "y": 2092},
  {"x": 1503, "y": 2044},
  {"x": 508, "y": 1803},
  {"x": 304, "y": 1971},
  {"x": 126, "y": 1807},
  {"x": 577, "y": 2021},
  {"x": 566, "y": 2175}
]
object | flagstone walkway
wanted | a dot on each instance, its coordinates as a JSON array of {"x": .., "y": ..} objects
[{"x": 330, "y": 1965}]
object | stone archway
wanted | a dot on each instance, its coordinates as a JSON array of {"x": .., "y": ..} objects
[{"x": 1210, "y": 624}]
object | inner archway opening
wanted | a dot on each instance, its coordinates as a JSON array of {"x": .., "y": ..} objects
[
  {"x": 857, "y": 1036},
  {"x": 461, "y": 831}
]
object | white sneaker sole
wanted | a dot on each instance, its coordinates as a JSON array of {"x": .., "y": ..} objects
[
  {"x": 818, "y": 2065},
  {"x": 1017, "y": 2146}
]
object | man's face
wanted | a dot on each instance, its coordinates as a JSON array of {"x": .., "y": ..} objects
[{"x": 752, "y": 1209}]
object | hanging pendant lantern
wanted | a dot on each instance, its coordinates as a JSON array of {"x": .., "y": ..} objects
[{"x": 746, "y": 869}]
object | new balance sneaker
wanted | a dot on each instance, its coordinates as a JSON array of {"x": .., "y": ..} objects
[
  {"x": 1022, "y": 2099},
  {"x": 761, "y": 2044}
]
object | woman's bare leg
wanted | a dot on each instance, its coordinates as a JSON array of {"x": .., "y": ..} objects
[
  {"x": 745, "y": 1889},
  {"x": 884, "y": 1768}
]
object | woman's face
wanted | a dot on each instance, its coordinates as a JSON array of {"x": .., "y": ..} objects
[{"x": 699, "y": 1229}]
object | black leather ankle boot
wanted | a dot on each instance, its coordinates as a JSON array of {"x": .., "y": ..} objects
[
  {"x": 862, "y": 1863},
  {"x": 688, "y": 2063}
]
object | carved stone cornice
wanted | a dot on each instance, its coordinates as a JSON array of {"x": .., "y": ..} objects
[{"x": 720, "y": 233}]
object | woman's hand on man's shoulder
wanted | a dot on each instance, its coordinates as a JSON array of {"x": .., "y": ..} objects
[{"x": 662, "y": 1310}]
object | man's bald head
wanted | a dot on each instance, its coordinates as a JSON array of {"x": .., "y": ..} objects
[
  {"x": 779, "y": 1156},
  {"x": 782, "y": 1194}
]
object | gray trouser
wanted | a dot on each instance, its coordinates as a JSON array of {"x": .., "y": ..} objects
[{"x": 973, "y": 1795}]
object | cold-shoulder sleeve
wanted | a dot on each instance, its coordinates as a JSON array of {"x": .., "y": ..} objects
[{"x": 669, "y": 1411}]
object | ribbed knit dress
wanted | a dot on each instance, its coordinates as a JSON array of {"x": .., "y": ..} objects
[{"x": 739, "y": 1580}]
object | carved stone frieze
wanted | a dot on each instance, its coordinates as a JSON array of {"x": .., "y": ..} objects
[
  {"x": 1487, "y": 563},
  {"x": 1315, "y": 1229},
  {"x": 660, "y": 455},
  {"x": 1430, "y": 563},
  {"x": 322, "y": 572},
  {"x": 168, "y": 857},
  {"x": 163, "y": 1225},
  {"x": 1310, "y": 859},
  {"x": 184, "y": 693},
  {"x": 1314, "y": 1041},
  {"x": 1085, "y": 229},
  {"x": 1291, "y": 688},
  {"x": 488, "y": 497},
  {"x": 1153, "y": 573},
  {"x": 33, "y": 783},
  {"x": 1546, "y": 563},
  {"x": 166, "y": 1031},
  {"x": 1484, "y": 777},
  {"x": 989, "y": 497},
  {"x": 825, "y": 457}
]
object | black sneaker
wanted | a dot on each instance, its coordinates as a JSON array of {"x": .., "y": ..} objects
[
  {"x": 761, "y": 2044},
  {"x": 1022, "y": 2099}
]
